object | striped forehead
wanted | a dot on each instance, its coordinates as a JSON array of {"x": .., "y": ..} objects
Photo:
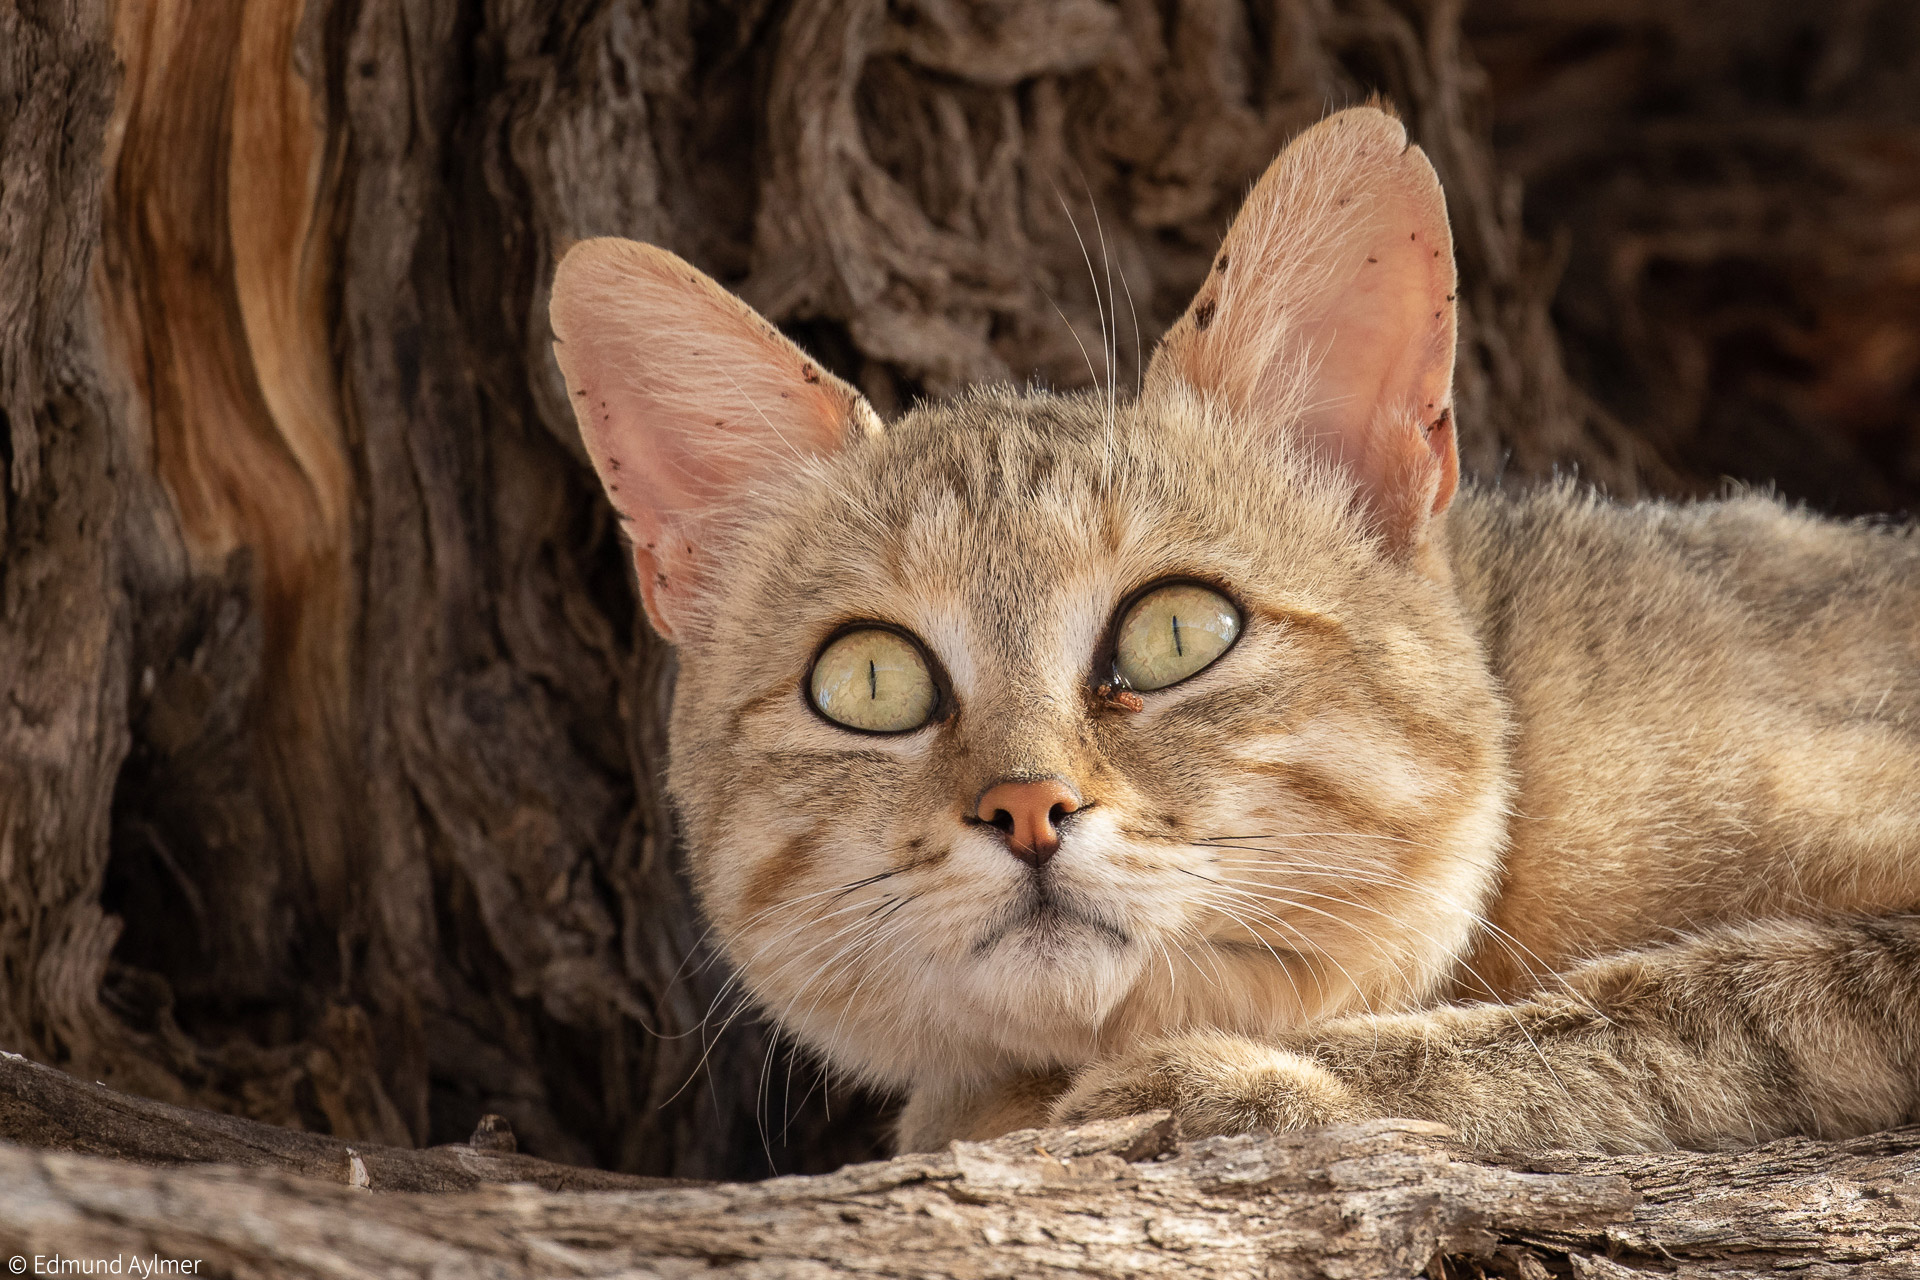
[
  {"x": 998, "y": 549},
  {"x": 1016, "y": 602}
]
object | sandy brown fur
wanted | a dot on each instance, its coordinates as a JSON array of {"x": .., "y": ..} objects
[
  {"x": 1748, "y": 679},
  {"x": 972, "y": 537},
  {"x": 1728, "y": 826},
  {"x": 1558, "y": 821},
  {"x": 1735, "y": 1035}
]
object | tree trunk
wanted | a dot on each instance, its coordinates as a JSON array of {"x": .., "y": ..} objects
[
  {"x": 1735, "y": 187},
  {"x": 331, "y": 748}
]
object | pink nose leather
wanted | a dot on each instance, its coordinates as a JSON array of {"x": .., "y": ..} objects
[{"x": 1025, "y": 812}]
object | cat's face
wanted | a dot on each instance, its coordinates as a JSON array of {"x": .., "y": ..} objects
[
  {"x": 959, "y": 794},
  {"x": 1247, "y": 845}
]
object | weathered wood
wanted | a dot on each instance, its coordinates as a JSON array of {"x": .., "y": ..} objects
[
  {"x": 1816, "y": 1209},
  {"x": 1731, "y": 187},
  {"x": 49, "y": 1110},
  {"x": 66, "y": 515},
  {"x": 1372, "y": 1201},
  {"x": 1120, "y": 1199}
]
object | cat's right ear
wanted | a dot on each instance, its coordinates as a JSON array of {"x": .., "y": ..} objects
[
  {"x": 688, "y": 400},
  {"x": 1329, "y": 312}
]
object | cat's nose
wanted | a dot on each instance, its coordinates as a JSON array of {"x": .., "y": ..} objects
[{"x": 1028, "y": 814}]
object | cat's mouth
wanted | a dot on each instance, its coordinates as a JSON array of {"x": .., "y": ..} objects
[{"x": 1051, "y": 918}]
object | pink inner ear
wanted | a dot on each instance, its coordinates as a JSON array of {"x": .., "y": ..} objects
[
  {"x": 1383, "y": 394},
  {"x": 687, "y": 400},
  {"x": 1331, "y": 307}
]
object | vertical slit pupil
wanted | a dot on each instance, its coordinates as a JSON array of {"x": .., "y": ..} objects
[
  {"x": 1178, "y": 648},
  {"x": 873, "y": 681}
]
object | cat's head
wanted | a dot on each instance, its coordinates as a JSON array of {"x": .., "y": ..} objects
[{"x": 1034, "y": 722}]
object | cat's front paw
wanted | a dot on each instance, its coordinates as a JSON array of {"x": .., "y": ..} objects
[{"x": 1213, "y": 1084}]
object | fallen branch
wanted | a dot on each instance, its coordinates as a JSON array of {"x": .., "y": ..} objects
[{"x": 1124, "y": 1198}]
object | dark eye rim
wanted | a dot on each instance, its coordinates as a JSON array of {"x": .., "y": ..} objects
[
  {"x": 1107, "y": 657},
  {"x": 942, "y": 708}
]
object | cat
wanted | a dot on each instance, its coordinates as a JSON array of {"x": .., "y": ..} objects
[{"x": 1047, "y": 757}]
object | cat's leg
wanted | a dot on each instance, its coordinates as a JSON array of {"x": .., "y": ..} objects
[
  {"x": 1734, "y": 1036},
  {"x": 933, "y": 1117}
]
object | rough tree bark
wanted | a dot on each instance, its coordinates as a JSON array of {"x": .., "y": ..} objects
[
  {"x": 65, "y": 616},
  {"x": 1117, "y": 1199},
  {"x": 1735, "y": 188},
  {"x": 330, "y": 744}
]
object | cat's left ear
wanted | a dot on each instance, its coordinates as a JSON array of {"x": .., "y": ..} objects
[
  {"x": 688, "y": 401},
  {"x": 1330, "y": 311}
]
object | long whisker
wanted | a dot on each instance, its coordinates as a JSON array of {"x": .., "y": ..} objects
[
  {"x": 879, "y": 936},
  {"x": 1259, "y": 906},
  {"x": 1084, "y": 354},
  {"x": 1501, "y": 937},
  {"x": 1100, "y": 309},
  {"x": 1286, "y": 970},
  {"x": 1515, "y": 947},
  {"x": 1139, "y": 356},
  {"x": 1113, "y": 331},
  {"x": 1387, "y": 878},
  {"x": 1518, "y": 1022},
  {"x": 735, "y": 982}
]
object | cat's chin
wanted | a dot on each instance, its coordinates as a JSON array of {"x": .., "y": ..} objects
[
  {"x": 1050, "y": 929},
  {"x": 1036, "y": 996},
  {"x": 1040, "y": 982}
]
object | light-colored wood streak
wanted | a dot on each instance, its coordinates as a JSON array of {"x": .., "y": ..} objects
[{"x": 214, "y": 291}]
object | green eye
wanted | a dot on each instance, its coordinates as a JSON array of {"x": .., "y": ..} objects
[
  {"x": 1172, "y": 633},
  {"x": 875, "y": 681}
]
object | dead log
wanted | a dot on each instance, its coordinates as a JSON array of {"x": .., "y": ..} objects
[
  {"x": 1120, "y": 1199},
  {"x": 1126, "y": 1198}
]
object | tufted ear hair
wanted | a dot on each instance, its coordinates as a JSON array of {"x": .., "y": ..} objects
[
  {"x": 688, "y": 400},
  {"x": 1330, "y": 311}
]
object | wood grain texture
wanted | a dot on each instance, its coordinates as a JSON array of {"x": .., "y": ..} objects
[
  {"x": 49, "y": 1110},
  {"x": 1118, "y": 1198},
  {"x": 65, "y": 627}
]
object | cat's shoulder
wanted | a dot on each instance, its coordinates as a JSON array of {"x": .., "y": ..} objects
[{"x": 1742, "y": 531}]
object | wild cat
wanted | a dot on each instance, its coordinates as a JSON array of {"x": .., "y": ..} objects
[{"x": 1046, "y": 756}]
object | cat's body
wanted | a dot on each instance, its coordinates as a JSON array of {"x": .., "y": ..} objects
[
  {"x": 1715, "y": 715},
  {"x": 1432, "y": 750}
]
